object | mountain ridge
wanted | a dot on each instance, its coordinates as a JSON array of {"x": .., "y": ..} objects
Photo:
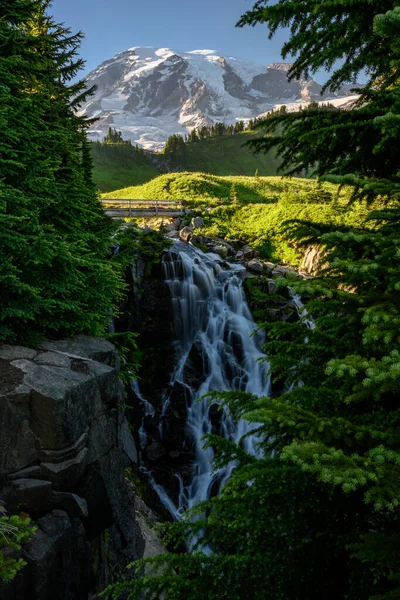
[{"x": 150, "y": 93}]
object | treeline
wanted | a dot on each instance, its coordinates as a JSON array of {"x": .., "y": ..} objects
[
  {"x": 113, "y": 148},
  {"x": 176, "y": 143}
]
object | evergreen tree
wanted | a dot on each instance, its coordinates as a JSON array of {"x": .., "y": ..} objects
[
  {"x": 54, "y": 279},
  {"x": 115, "y": 137},
  {"x": 175, "y": 149},
  {"x": 317, "y": 516}
]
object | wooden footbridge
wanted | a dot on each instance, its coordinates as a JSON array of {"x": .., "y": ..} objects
[{"x": 120, "y": 208}]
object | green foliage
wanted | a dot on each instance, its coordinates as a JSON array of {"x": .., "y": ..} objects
[
  {"x": 317, "y": 516},
  {"x": 357, "y": 147},
  {"x": 14, "y": 531},
  {"x": 176, "y": 147},
  {"x": 134, "y": 243},
  {"x": 118, "y": 166},
  {"x": 203, "y": 189},
  {"x": 321, "y": 33},
  {"x": 54, "y": 277},
  {"x": 115, "y": 137},
  {"x": 128, "y": 352}
]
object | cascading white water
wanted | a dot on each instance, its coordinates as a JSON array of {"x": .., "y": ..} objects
[{"x": 211, "y": 312}]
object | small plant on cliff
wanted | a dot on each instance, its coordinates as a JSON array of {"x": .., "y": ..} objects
[
  {"x": 128, "y": 352},
  {"x": 14, "y": 531}
]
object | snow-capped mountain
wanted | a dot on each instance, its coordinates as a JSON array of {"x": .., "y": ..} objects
[{"x": 150, "y": 93}]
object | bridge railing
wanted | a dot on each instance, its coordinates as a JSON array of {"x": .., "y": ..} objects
[{"x": 130, "y": 204}]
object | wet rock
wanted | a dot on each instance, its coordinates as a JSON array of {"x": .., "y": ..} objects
[
  {"x": 155, "y": 451},
  {"x": 255, "y": 265},
  {"x": 222, "y": 251},
  {"x": 215, "y": 415},
  {"x": 290, "y": 317},
  {"x": 173, "y": 235},
  {"x": 185, "y": 233},
  {"x": 197, "y": 222},
  {"x": 248, "y": 252},
  {"x": 196, "y": 366},
  {"x": 197, "y": 239},
  {"x": 239, "y": 256},
  {"x": 174, "y": 421}
]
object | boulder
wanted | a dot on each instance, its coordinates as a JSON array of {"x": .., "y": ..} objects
[
  {"x": 271, "y": 286},
  {"x": 239, "y": 256},
  {"x": 269, "y": 267},
  {"x": 174, "y": 225},
  {"x": 281, "y": 271},
  {"x": 222, "y": 251},
  {"x": 197, "y": 222},
  {"x": 172, "y": 235},
  {"x": 10, "y": 353},
  {"x": 197, "y": 239},
  {"x": 155, "y": 451},
  {"x": 53, "y": 359},
  {"x": 83, "y": 346},
  {"x": 248, "y": 252},
  {"x": 255, "y": 265},
  {"x": 185, "y": 234}
]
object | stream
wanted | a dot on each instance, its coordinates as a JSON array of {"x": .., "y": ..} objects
[{"x": 211, "y": 315}]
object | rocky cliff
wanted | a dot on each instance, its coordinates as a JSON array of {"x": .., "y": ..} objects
[{"x": 64, "y": 446}]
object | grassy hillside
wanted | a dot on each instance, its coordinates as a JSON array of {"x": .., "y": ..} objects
[
  {"x": 263, "y": 205},
  {"x": 226, "y": 156},
  {"x": 204, "y": 189},
  {"x": 117, "y": 166}
]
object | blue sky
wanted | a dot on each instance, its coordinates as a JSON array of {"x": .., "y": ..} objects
[{"x": 111, "y": 26}]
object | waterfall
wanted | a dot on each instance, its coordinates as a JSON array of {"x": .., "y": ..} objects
[{"x": 212, "y": 321}]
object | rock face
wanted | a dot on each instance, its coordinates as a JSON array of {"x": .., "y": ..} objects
[{"x": 64, "y": 445}]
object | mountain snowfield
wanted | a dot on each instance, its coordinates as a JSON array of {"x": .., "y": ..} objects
[{"x": 150, "y": 93}]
